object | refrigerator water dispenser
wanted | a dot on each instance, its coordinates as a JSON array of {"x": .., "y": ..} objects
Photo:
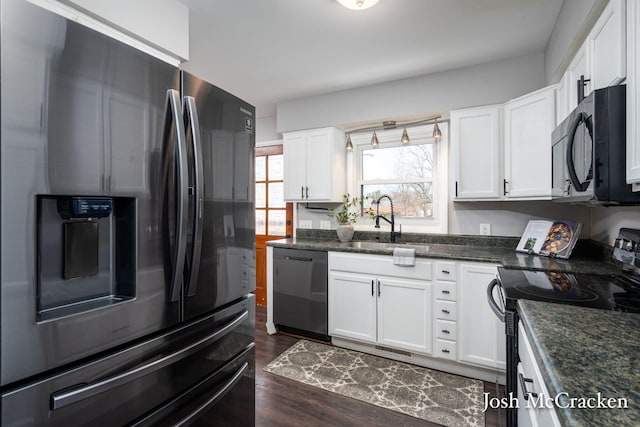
[{"x": 86, "y": 254}]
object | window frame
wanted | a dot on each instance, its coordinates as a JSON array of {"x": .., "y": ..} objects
[{"x": 391, "y": 138}]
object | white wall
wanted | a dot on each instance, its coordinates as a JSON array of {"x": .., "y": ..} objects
[
  {"x": 605, "y": 222},
  {"x": 490, "y": 83},
  {"x": 266, "y": 129}
]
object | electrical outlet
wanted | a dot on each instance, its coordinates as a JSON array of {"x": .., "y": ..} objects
[
  {"x": 325, "y": 225},
  {"x": 485, "y": 229},
  {"x": 305, "y": 223}
]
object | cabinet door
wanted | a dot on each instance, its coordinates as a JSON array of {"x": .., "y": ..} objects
[
  {"x": 475, "y": 138},
  {"x": 295, "y": 165},
  {"x": 404, "y": 314},
  {"x": 319, "y": 165},
  {"x": 633, "y": 100},
  {"x": 608, "y": 50},
  {"x": 579, "y": 66},
  {"x": 481, "y": 339},
  {"x": 352, "y": 306},
  {"x": 529, "y": 121}
]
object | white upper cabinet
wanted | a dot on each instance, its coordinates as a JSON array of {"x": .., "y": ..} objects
[
  {"x": 476, "y": 140},
  {"x": 607, "y": 41},
  {"x": 580, "y": 66},
  {"x": 528, "y": 123},
  {"x": 633, "y": 100},
  {"x": 314, "y": 165}
]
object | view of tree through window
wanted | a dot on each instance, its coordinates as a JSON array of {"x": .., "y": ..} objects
[{"x": 404, "y": 173}]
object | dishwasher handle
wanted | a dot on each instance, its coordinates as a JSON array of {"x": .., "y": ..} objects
[
  {"x": 298, "y": 258},
  {"x": 492, "y": 302}
]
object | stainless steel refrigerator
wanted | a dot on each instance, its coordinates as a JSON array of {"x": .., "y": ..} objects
[{"x": 127, "y": 225}]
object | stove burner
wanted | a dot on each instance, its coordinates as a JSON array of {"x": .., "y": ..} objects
[{"x": 574, "y": 295}]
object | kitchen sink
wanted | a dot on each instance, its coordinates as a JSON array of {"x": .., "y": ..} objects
[{"x": 367, "y": 244}]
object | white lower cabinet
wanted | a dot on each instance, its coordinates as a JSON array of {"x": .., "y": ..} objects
[
  {"x": 436, "y": 309},
  {"x": 532, "y": 391},
  {"x": 352, "y": 306},
  {"x": 373, "y": 301},
  {"x": 481, "y": 339}
]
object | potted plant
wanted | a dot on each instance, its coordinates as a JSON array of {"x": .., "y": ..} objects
[{"x": 347, "y": 216}]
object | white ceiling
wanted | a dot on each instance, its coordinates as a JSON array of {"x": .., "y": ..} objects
[{"x": 268, "y": 51}]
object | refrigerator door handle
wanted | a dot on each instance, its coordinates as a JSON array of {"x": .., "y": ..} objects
[
  {"x": 173, "y": 117},
  {"x": 68, "y": 396},
  {"x": 215, "y": 398},
  {"x": 193, "y": 125}
]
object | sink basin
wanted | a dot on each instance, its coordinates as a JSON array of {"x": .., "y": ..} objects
[{"x": 384, "y": 245}]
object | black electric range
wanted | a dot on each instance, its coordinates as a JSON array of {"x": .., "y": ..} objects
[{"x": 619, "y": 292}]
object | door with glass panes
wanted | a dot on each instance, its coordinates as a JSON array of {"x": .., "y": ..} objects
[{"x": 273, "y": 216}]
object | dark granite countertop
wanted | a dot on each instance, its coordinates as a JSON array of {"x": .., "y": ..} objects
[
  {"x": 499, "y": 250},
  {"x": 583, "y": 352}
]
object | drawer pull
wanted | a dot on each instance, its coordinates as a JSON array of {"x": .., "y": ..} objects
[
  {"x": 446, "y": 311},
  {"x": 444, "y": 331},
  {"x": 446, "y": 271},
  {"x": 445, "y": 351},
  {"x": 446, "y": 292},
  {"x": 523, "y": 386}
]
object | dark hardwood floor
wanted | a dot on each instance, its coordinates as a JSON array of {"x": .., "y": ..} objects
[{"x": 281, "y": 402}]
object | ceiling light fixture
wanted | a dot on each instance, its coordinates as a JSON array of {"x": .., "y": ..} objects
[
  {"x": 374, "y": 140},
  {"x": 349, "y": 145},
  {"x": 392, "y": 124},
  {"x": 405, "y": 137},
  {"x": 358, "y": 4},
  {"x": 436, "y": 131}
]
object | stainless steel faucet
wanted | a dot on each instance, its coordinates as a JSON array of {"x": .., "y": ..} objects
[{"x": 392, "y": 237}]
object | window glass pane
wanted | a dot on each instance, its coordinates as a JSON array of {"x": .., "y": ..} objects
[
  {"x": 261, "y": 195},
  {"x": 409, "y": 200},
  {"x": 276, "y": 195},
  {"x": 260, "y": 168},
  {"x": 261, "y": 222},
  {"x": 277, "y": 225},
  {"x": 406, "y": 162},
  {"x": 276, "y": 167}
]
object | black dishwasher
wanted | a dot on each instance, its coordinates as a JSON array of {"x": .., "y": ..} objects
[{"x": 300, "y": 292}]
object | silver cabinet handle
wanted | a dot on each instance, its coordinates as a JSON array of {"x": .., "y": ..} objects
[
  {"x": 191, "y": 118},
  {"x": 60, "y": 399},
  {"x": 173, "y": 120}
]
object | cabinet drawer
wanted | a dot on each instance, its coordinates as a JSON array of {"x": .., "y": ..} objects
[
  {"x": 445, "y": 349},
  {"x": 375, "y": 265},
  {"x": 446, "y": 329},
  {"x": 445, "y": 310},
  {"x": 446, "y": 271},
  {"x": 445, "y": 291}
]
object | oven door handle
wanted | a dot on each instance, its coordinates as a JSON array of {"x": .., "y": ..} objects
[{"x": 492, "y": 302}]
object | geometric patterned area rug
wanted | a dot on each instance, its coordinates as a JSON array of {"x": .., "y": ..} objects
[{"x": 423, "y": 393}]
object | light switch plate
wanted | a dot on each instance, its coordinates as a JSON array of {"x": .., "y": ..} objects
[
  {"x": 485, "y": 229},
  {"x": 305, "y": 223},
  {"x": 325, "y": 225}
]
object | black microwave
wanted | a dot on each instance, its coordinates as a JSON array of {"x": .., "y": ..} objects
[{"x": 589, "y": 152}]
